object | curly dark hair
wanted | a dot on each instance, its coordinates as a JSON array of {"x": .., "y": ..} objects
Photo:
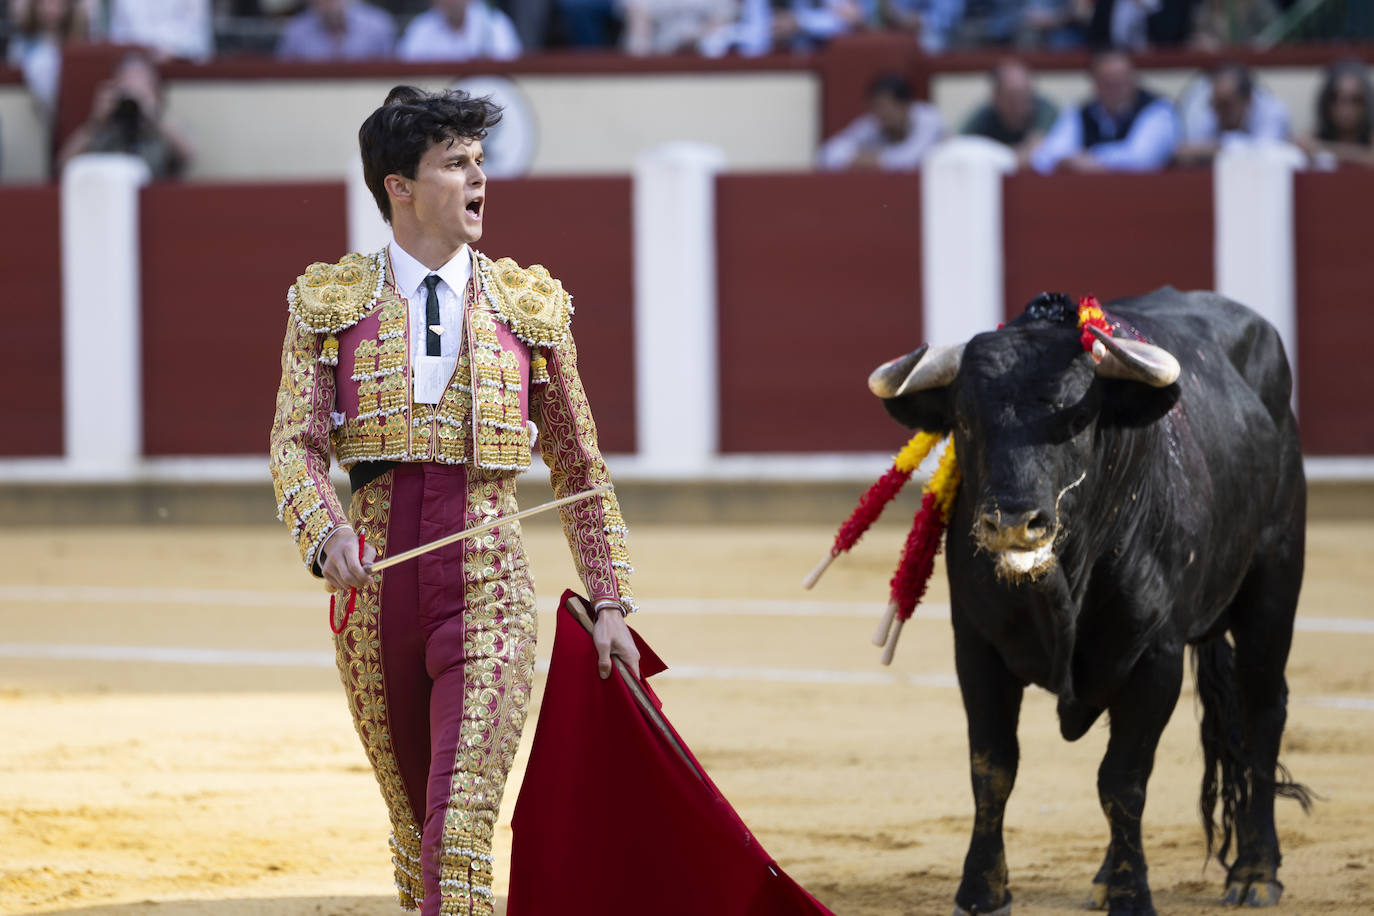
[
  {"x": 395, "y": 136},
  {"x": 1347, "y": 67}
]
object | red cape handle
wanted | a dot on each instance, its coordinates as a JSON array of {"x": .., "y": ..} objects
[{"x": 352, "y": 595}]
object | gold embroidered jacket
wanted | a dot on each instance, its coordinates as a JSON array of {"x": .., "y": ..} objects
[{"x": 346, "y": 385}]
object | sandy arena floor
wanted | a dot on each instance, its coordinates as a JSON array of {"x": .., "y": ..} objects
[{"x": 139, "y": 776}]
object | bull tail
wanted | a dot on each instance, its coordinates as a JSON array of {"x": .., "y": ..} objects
[{"x": 1227, "y": 774}]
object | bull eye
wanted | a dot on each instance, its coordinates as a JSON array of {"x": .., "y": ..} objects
[{"x": 1079, "y": 422}]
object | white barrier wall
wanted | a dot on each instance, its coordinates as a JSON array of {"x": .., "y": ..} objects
[
  {"x": 961, "y": 234},
  {"x": 102, "y": 395},
  {"x": 676, "y": 342},
  {"x": 23, "y": 137},
  {"x": 307, "y": 130},
  {"x": 1252, "y": 191},
  {"x": 676, "y": 376}
]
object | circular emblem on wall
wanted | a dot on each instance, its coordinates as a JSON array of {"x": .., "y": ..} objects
[{"x": 511, "y": 144}]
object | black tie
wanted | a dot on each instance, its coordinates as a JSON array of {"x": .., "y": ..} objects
[{"x": 431, "y": 316}]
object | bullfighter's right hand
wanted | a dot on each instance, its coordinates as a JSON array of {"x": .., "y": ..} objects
[{"x": 339, "y": 560}]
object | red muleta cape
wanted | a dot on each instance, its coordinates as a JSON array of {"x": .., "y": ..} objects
[{"x": 612, "y": 820}]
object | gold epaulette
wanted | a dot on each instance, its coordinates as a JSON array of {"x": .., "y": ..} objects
[
  {"x": 531, "y": 303},
  {"x": 330, "y": 297}
]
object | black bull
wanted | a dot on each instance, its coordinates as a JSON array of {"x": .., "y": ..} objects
[{"x": 1108, "y": 516}]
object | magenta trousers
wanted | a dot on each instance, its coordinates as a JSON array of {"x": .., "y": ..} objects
[{"x": 437, "y": 661}]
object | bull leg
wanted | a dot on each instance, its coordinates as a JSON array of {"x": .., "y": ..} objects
[
  {"x": 1138, "y": 717},
  {"x": 1262, "y": 626},
  {"x": 992, "y": 703}
]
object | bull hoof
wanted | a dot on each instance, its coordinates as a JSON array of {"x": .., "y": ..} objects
[
  {"x": 1097, "y": 897},
  {"x": 1258, "y": 894},
  {"x": 1000, "y": 911}
]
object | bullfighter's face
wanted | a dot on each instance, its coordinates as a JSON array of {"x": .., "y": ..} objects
[{"x": 448, "y": 193}]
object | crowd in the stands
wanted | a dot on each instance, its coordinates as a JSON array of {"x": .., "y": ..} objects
[
  {"x": 466, "y": 29},
  {"x": 1123, "y": 126}
]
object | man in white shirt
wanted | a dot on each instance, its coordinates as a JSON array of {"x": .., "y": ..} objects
[
  {"x": 1122, "y": 128},
  {"x": 895, "y": 135},
  {"x": 459, "y": 30},
  {"x": 1229, "y": 107},
  {"x": 170, "y": 28}
]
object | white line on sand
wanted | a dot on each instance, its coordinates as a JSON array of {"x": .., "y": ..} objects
[
  {"x": 282, "y": 658},
  {"x": 700, "y": 607}
]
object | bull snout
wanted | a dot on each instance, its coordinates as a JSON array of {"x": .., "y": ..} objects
[{"x": 1027, "y": 529}]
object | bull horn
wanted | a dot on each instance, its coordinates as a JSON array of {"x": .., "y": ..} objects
[
  {"x": 1135, "y": 360},
  {"x": 936, "y": 370},
  {"x": 926, "y": 367},
  {"x": 887, "y": 378}
]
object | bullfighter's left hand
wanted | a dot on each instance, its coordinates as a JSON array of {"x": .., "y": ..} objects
[{"x": 611, "y": 636}]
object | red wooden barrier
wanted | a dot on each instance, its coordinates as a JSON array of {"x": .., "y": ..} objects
[
  {"x": 1109, "y": 235},
  {"x": 216, "y": 264},
  {"x": 580, "y": 229},
  {"x": 1335, "y": 322},
  {"x": 217, "y": 260},
  {"x": 31, "y": 372},
  {"x": 819, "y": 281}
]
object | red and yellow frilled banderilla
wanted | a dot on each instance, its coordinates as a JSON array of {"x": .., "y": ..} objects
[{"x": 922, "y": 543}]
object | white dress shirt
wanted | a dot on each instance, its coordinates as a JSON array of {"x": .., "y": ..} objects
[
  {"x": 409, "y": 275},
  {"x": 485, "y": 32},
  {"x": 177, "y": 28},
  {"x": 865, "y": 134},
  {"x": 1147, "y": 146}
]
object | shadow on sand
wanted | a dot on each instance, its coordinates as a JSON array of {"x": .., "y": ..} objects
[{"x": 256, "y": 906}]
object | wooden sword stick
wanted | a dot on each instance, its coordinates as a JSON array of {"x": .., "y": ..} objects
[{"x": 404, "y": 555}]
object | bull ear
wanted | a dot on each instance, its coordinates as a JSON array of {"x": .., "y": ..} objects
[
  {"x": 1135, "y": 360},
  {"x": 915, "y": 387},
  {"x": 927, "y": 410}
]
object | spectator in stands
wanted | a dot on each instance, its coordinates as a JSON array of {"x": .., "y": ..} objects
[
  {"x": 1123, "y": 127},
  {"x": 338, "y": 30},
  {"x": 671, "y": 26},
  {"x": 1059, "y": 25},
  {"x": 459, "y": 30},
  {"x": 41, "y": 27},
  {"x": 784, "y": 25},
  {"x": 589, "y": 23},
  {"x": 894, "y": 136},
  {"x": 1222, "y": 22},
  {"x": 1228, "y": 108},
  {"x": 934, "y": 22},
  {"x": 1136, "y": 24},
  {"x": 169, "y": 28},
  {"x": 1345, "y": 115},
  {"x": 1015, "y": 115},
  {"x": 128, "y": 117}
]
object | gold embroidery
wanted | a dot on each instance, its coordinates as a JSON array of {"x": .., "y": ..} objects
[
  {"x": 498, "y": 642},
  {"x": 500, "y": 438},
  {"x": 331, "y": 297},
  {"x": 528, "y": 301},
  {"x": 329, "y": 353},
  {"x": 298, "y": 452},
  {"x": 595, "y": 530},
  {"x": 358, "y": 653},
  {"x": 539, "y": 368}
]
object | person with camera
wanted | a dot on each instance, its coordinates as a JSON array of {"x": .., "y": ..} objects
[{"x": 127, "y": 117}]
